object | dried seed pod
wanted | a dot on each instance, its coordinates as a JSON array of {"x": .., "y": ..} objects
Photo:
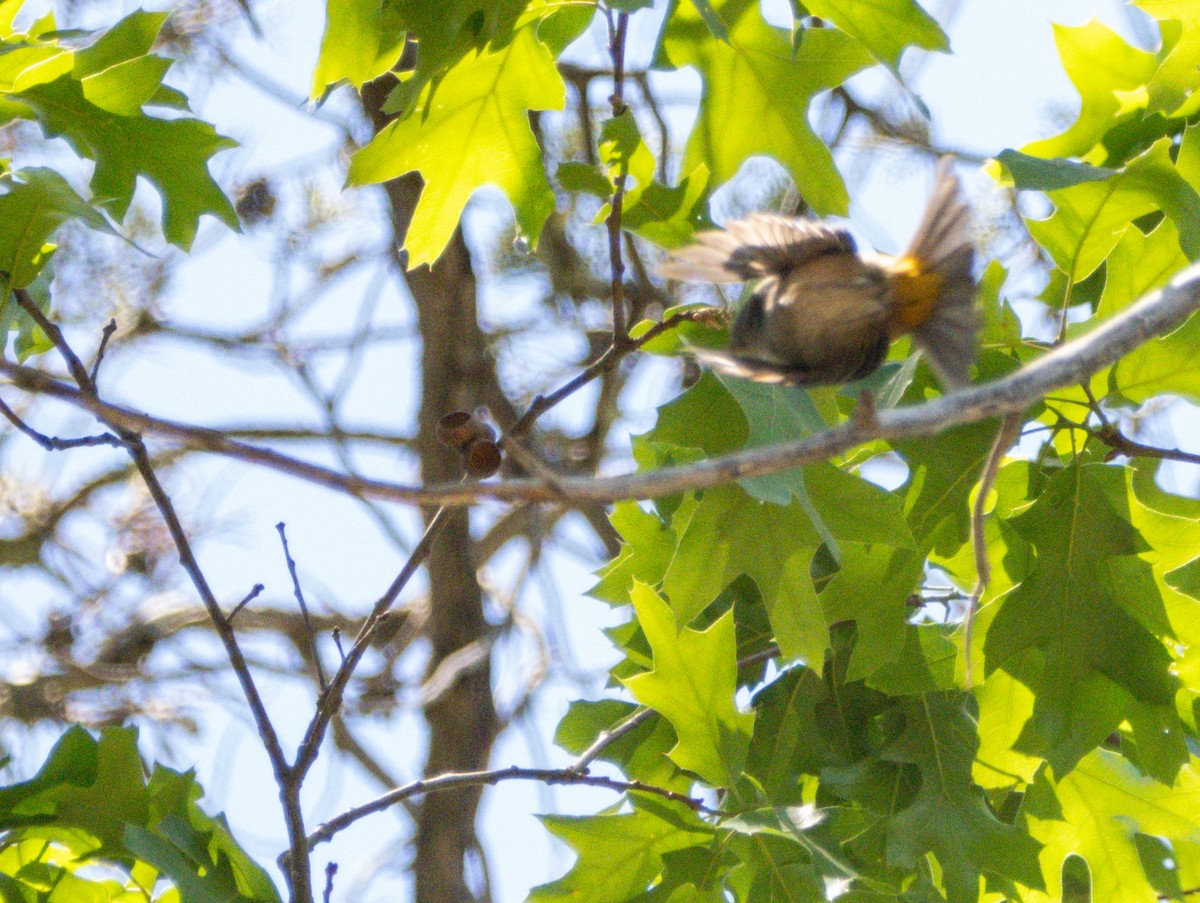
[
  {"x": 482, "y": 458},
  {"x": 460, "y": 429}
]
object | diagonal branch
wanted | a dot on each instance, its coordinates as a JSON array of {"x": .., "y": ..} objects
[
  {"x": 443, "y": 782},
  {"x": 1157, "y": 313}
]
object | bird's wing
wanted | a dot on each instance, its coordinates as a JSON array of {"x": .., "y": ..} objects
[{"x": 763, "y": 244}]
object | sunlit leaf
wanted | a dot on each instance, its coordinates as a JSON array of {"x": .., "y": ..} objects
[{"x": 474, "y": 132}]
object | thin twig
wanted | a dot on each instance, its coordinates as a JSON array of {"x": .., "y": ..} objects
[
  {"x": 607, "y": 738},
  {"x": 480, "y": 778},
  {"x": 616, "y": 49},
  {"x": 330, "y": 700},
  {"x": 298, "y": 873},
  {"x": 606, "y": 361},
  {"x": 54, "y": 443},
  {"x": 1009, "y": 432},
  {"x": 109, "y": 328},
  {"x": 1121, "y": 444},
  {"x": 74, "y": 364},
  {"x": 246, "y": 600},
  {"x": 299, "y": 593},
  {"x": 331, "y": 869}
]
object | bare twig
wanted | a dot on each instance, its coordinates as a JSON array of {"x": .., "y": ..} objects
[
  {"x": 607, "y": 738},
  {"x": 299, "y": 593},
  {"x": 609, "y": 359},
  {"x": 478, "y": 778},
  {"x": 330, "y": 700},
  {"x": 109, "y": 328},
  {"x": 54, "y": 443},
  {"x": 298, "y": 874},
  {"x": 1009, "y": 432},
  {"x": 331, "y": 869},
  {"x": 246, "y": 600},
  {"x": 1121, "y": 444},
  {"x": 616, "y": 50}
]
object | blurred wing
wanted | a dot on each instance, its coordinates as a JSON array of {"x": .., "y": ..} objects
[
  {"x": 943, "y": 245},
  {"x": 761, "y": 245},
  {"x": 861, "y": 363}
]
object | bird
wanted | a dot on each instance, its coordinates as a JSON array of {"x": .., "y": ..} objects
[{"x": 822, "y": 313}]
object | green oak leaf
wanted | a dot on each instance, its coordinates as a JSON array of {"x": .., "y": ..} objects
[
  {"x": 583, "y": 177},
  {"x": 125, "y": 88},
  {"x": 1104, "y": 69},
  {"x": 924, "y": 662},
  {"x": 774, "y": 863},
  {"x": 30, "y": 338},
  {"x": 625, "y": 154},
  {"x": 871, "y": 588},
  {"x": 448, "y": 33},
  {"x": 1005, "y": 705},
  {"x": 172, "y": 154},
  {"x": 1170, "y": 364},
  {"x": 31, "y": 62},
  {"x": 1085, "y": 629},
  {"x": 618, "y": 856},
  {"x": 363, "y": 39},
  {"x": 35, "y": 203},
  {"x": 942, "y": 472},
  {"x": 1090, "y": 218},
  {"x": 789, "y": 737},
  {"x": 647, "y": 546},
  {"x": 116, "y": 72},
  {"x": 472, "y": 131},
  {"x": 1178, "y": 77},
  {"x": 87, "y": 784},
  {"x": 195, "y": 850},
  {"x": 774, "y": 414},
  {"x": 1171, "y": 525},
  {"x": 703, "y": 420},
  {"x": 949, "y": 816},
  {"x": 756, "y": 95},
  {"x": 1140, "y": 263},
  {"x": 131, "y": 38},
  {"x": 886, "y": 27},
  {"x": 1096, "y": 811},
  {"x": 668, "y": 216},
  {"x": 1001, "y": 327},
  {"x": 730, "y": 534},
  {"x": 1041, "y": 174},
  {"x": 692, "y": 686}
]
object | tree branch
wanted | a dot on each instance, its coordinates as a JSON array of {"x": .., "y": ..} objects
[
  {"x": 443, "y": 782},
  {"x": 1155, "y": 314}
]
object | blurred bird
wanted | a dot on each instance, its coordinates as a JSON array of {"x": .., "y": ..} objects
[{"x": 822, "y": 313}]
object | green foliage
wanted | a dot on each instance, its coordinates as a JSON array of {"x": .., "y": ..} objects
[
  {"x": 885, "y": 27},
  {"x": 756, "y": 94},
  {"x": 473, "y": 130},
  {"x": 92, "y": 804},
  {"x": 92, "y": 93},
  {"x": 871, "y": 761},
  {"x": 863, "y": 754}
]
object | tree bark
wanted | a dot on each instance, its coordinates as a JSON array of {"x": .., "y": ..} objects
[{"x": 456, "y": 374}]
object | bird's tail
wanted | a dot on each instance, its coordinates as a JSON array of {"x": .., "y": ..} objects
[{"x": 935, "y": 285}]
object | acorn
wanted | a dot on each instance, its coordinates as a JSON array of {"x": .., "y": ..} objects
[{"x": 459, "y": 429}]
